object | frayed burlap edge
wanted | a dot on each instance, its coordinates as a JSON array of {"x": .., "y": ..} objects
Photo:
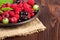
[{"x": 34, "y": 26}]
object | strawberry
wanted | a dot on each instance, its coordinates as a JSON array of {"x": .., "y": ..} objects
[{"x": 31, "y": 2}]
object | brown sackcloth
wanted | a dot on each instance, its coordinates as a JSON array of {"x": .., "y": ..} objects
[{"x": 28, "y": 28}]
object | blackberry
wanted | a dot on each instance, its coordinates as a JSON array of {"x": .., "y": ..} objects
[
  {"x": 24, "y": 13},
  {"x": 19, "y": 20},
  {"x": 17, "y": 1},
  {"x": 36, "y": 11}
]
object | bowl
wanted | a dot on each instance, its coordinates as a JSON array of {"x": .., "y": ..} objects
[{"x": 18, "y": 24}]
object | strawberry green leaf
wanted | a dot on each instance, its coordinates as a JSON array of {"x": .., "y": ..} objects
[
  {"x": 1, "y": 11},
  {"x": 6, "y": 8}
]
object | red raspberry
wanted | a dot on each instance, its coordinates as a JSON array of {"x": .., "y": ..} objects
[
  {"x": 3, "y": 5},
  {"x": 29, "y": 15},
  {"x": 14, "y": 6},
  {"x": 7, "y": 4},
  {"x": 11, "y": 13},
  {"x": 17, "y": 16},
  {"x": 32, "y": 14},
  {"x": 6, "y": 14},
  {"x": 0, "y": 18},
  {"x": 13, "y": 20},
  {"x": 20, "y": 4},
  {"x": 31, "y": 2},
  {"x": 18, "y": 10},
  {"x": 28, "y": 8},
  {"x": 7, "y": 11}
]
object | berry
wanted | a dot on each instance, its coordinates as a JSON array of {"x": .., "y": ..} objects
[
  {"x": 28, "y": 8},
  {"x": 23, "y": 13},
  {"x": 14, "y": 6},
  {"x": 17, "y": 16},
  {"x": 31, "y": 2},
  {"x": 36, "y": 11},
  {"x": 32, "y": 14},
  {"x": 36, "y": 7},
  {"x": 6, "y": 14},
  {"x": 17, "y": 10},
  {"x": 13, "y": 20},
  {"x": 7, "y": 4},
  {"x": 0, "y": 18},
  {"x": 26, "y": 13},
  {"x": 3, "y": 5},
  {"x": 11, "y": 13},
  {"x": 29, "y": 15},
  {"x": 19, "y": 20},
  {"x": 5, "y": 20},
  {"x": 20, "y": 4},
  {"x": 17, "y": 1}
]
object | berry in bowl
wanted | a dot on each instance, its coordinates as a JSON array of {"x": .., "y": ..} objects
[{"x": 13, "y": 13}]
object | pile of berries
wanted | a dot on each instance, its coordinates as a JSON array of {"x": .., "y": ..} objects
[{"x": 18, "y": 11}]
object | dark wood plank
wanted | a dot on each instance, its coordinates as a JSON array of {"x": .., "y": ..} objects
[{"x": 28, "y": 37}]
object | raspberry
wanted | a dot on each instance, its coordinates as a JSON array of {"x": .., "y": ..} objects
[
  {"x": 32, "y": 14},
  {"x": 20, "y": 4},
  {"x": 31, "y": 2},
  {"x": 0, "y": 18},
  {"x": 3, "y": 5},
  {"x": 13, "y": 20},
  {"x": 6, "y": 14},
  {"x": 7, "y": 11},
  {"x": 7, "y": 4},
  {"x": 18, "y": 10},
  {"x": 29, "y": 15},
  {"x": 14, "y": 6},
  {"x": 27, "y": 7},
  {"x": 11, "y": 13},
  {"x": 16, "y": 16}
]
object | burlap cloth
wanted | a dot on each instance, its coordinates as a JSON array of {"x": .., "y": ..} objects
[{"x": 28, "y": 28}]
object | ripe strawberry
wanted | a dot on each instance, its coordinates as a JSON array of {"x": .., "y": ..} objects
[
  {"x": 11, "y": 13},
  {"x": 13, "y": 20},
  {"x": 0, "y": 18},
  {"x": 31, "y": 2},
  {"x": 17, "y": 16}
]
